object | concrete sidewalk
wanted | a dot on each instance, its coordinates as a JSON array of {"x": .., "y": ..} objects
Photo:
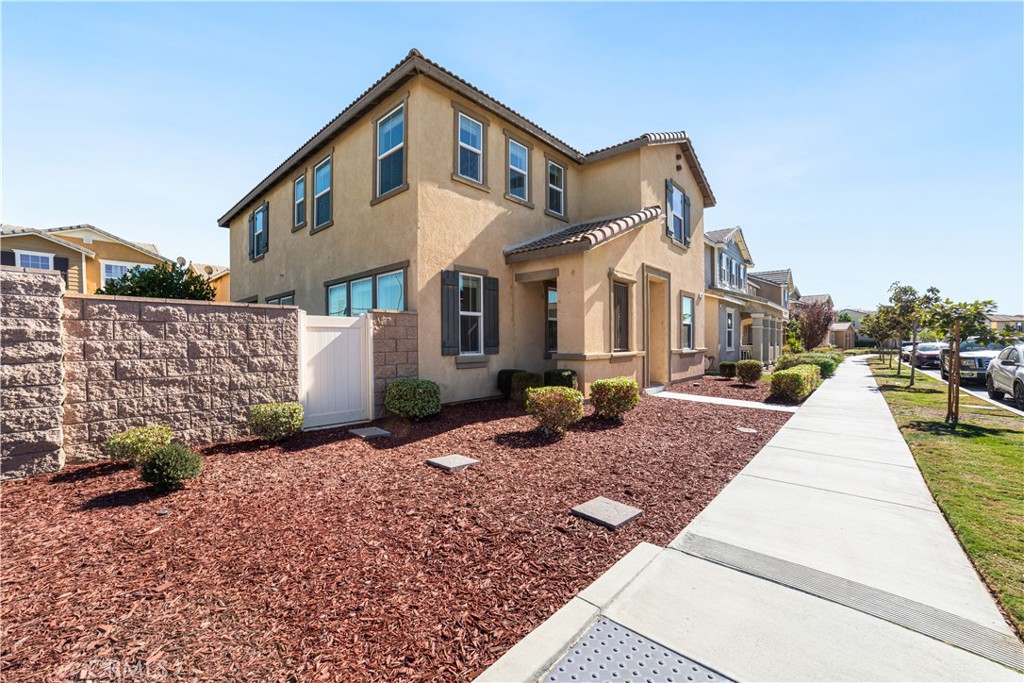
[{"x": 824, "y": 559}]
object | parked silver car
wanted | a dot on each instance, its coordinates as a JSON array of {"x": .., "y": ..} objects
[{"x": 1005, "y": 375}]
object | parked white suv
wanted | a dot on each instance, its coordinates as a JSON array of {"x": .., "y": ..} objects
[{"x": 1005, "y": 375}]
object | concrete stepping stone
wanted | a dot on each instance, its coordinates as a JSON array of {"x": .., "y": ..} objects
[
  {"x": 370, "y": 432},
  {"x": 746, "y": 430},
  {"x": 452, "y": 463},
  {"x": 606, "y": 512}
]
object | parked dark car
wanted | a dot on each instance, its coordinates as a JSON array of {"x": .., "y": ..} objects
[
  {"x": 1005, "y": 375},
  {"x": 974, "y": 359},
  {"x": 927, "y": 355}
]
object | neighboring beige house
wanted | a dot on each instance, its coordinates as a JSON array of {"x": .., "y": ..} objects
[
  {"x": 1006, "y": 322},
  {"x": 842, "y": 335},
  {"x": 740, "y": 320},
  {"x": 515, "y": 249},
  {"x": 85, "y": 255},
  {"x": 218, "y": 276},
  {"x": 797, "y": 301}
]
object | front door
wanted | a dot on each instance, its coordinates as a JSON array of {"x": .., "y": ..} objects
[{"x": 657, "y": 332}]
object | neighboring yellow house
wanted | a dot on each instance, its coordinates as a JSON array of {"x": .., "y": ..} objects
[
  {"x": 85, "y": 255},
  {"x": 745, "y": 317},
  {"x": 515, "y": 249},
  {"x": 1014, "y": 323},
  {"x": 842, "y": 335},
  {"x": 218, "y": 276}
]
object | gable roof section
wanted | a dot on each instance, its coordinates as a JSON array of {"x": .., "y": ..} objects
[
  {"x": 12, "y": 230},
  {"x": 214, "y": 272},
  {"x": 580, "y": 236},
  {"x": 416, "y": 64},
  {"x": 724, "y": 235},
  {"x": 776, "y": 277},
  {"x": 143, "y": 247},
  {"x": 815, "y": 298},
  {"x": 840, "y": 327}
]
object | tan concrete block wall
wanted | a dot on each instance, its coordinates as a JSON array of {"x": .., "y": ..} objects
[
  {"x": 395, "y": 352},
  {"x": 194, "y": 366},
  {"x": 31, "y": 372}
]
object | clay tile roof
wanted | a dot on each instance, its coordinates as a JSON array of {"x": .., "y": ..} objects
[
  {"x": 581, "y": 236},
  {"x": 779, "y": 277}
]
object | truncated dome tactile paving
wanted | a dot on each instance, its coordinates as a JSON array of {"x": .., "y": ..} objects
[{"x": 611, "y": 652}]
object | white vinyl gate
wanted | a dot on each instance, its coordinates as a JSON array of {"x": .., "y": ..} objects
[{"x": 335, "y": 369}]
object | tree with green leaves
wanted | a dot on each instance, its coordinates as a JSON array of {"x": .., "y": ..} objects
[
  {"x": 957, "y": 321},
  {"x": 910, "y": 309},
  {"x": 162, "y": 281},
  {"x": 844, "y": 318},
  {"x": 880, "y": 326}
]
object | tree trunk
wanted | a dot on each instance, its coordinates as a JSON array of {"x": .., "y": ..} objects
[
  {"x": 899, "y": 357},
  {"x": 913, "y": 353},
  {"x": 953, "y": 376}
]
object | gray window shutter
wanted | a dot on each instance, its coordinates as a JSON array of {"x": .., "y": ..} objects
[
  {"x": 449, "y": 313},
  {"x": 6, "y": 258},
  {"x": 669, "y": 229},
  {"x": 686, "y": 219},
  {"x": 61, "y": 264},
  {"x": 491, "y": 315},
  {"x": 252, "y": 236}
]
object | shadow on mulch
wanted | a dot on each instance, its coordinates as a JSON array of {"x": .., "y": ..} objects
[
  {"x": 593, "y": 423},
  {"x": 85, "y": 473},
  {"x": 119, "y": 499}
]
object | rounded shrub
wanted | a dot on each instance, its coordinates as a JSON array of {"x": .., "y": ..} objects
[
  {"x": 505, "y": 381},
  {"x": 136, "y": 444},
  {"x": 168, "y": 466},
  {"x": 413, "y": 398},
  {"x": 727, "y": 368},
  {"x": 826, "y": 362},
  {"x": 555, "y": 408},
  {"x": 273, "y": 421},
  {"x": 613, "y": 398},
  {"x": 563, "y": 377},
  {"x": 749, "y": 371},
  {"x": 521, "y": 381},
  {"x": 795, "y": 383}
]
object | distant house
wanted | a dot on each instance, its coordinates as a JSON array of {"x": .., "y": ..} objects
[
  {"x": 1006, "y": 322},
  {"x": 218, "y": 276},
  {"x": 856, "y": 315},
  {"x": 842, "y": 335},
  {"x": 740, "y": 320},
  {"x": 85, "y": 255},
  {"x": 808, "y": 299}
]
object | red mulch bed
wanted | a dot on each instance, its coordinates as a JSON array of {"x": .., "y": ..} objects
[
  {"x": 726, "y": 387},
  {"x": 330, "y": 558}
]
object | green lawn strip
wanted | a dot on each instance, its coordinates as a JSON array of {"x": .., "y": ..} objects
[{"x": 975, "y": 473}]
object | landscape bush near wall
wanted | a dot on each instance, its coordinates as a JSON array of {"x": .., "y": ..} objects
[
  {"x": 194, "y": 366},
  {"x": 31, "y": 372}
]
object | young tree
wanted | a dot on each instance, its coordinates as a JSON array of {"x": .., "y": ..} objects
[
  {"x": 845, "y": 318},
  {"x": 162, "y": 281},
  {"x": 910, "y": 310},
  {"x": 814, "y": 320},
  {"x": 957, "y": 321},
  {"x": 880, "y": 326}
]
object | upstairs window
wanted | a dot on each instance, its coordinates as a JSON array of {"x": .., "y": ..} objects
[
  {"x": 678, "y": 209},
  {"x": 391, "y": 151},
  {"x": 518, "y": 171},
  {"x": 686, "y": 319},
  {"x": 259, "y": 231},
  {"x": 620, "y": 316},
  {"x": 471, "y": 149},
  {"x": 322, "y": 194},
  {"x": 723, "y": 272},
  {"x": 732, "y": 272},
  {"x": 556, "y": 189},
  {"x": 34, "y": 259},
  {"x": 299, "y": 201}
]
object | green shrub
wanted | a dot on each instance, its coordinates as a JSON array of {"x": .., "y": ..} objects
[
  {"x": 169, "y": 465},
  {"x": 555, "y": 408},
  {"x": 561, "y": 378},
  {"x": 505, "y": 382},
  {"x": 136, "y": 444},
  {"x": 521, "y": 381},
  {"x": 795, "y": 383},
  {"x": 749, "y": 371},
  {"x": 413, "y": 398},
  {"x": 727, "y": 368},
  {"x": 273, "y": 421},
  {"x": 826, "y": 362},
  {"x": 613, "y": 398}
]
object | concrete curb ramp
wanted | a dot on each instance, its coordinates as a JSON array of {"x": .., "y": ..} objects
[{"x": 825, "y": 559}]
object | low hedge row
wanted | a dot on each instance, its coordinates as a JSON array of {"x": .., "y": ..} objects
[
  {"x": 795, "y": 383},
  {"x": 827, "y": 361},
  {"x": 511, "y": 387}
]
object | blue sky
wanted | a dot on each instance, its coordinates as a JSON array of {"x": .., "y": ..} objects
[{"x": 855, "y": 143}]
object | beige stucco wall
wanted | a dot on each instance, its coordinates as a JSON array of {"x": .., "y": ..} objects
[
  {"x": 222, "y": 286},
  {"x": 45, "y": 246}
]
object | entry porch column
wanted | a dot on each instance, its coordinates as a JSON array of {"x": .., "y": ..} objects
[{"x": 758, "y": 339}]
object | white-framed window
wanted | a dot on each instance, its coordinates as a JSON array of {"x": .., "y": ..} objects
[
  {"x": 114, "y": 270},
  {"x": 742, "y": 276},
  {"x": 33, "y": 259},
  {"x": 785, "y": 298},
  {"x": 732, "y": 272},
  {"x": 686, "y": 321},
  {"x": 259, "y": 227},
  {"x": 391, "y": 151},
  {"x": 299, "y": 201},
  {"x": 730, "y": 329},
  {"x": 518, "y": 171},
  {"x": 678, "y": 209},
  {"x": 471, "y": 314},
  {"x": 322, "y": 194},
  {"x": 556, "y": 189},
  {"x": 620, "y": 316},
  {"x": 352, "y": 297},
  {"x": 471, "y": 149},
  {"x": 551, "y": 296},
  {"x": 722, "y": 271}
]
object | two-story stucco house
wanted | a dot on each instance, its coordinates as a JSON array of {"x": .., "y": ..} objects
[
  {"x": 514, "y": 249},
  {"x": 85, "y": 255},
  {"x": 743, "y": 317}
]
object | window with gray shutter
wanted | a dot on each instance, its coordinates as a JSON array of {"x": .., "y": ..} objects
[
  {"x": 490, "y": 315},
  {"x": 61, "y": 264},
  {"x": 449, "y": 313}
]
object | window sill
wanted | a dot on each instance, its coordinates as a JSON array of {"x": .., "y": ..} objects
[
  {"x": 517, "y": 200},
  {"x": 558, "y": 216},
  {"x": 389, "y": 194},
  {"x": 467, "y": 361},
  {"x": 687, "y": 352},
  {"x": 254, "y": 259},
  {"x": 622, "y": 356},
  {"x": 684, "y": 246},
  {"x": 469, "y": 181},
  {"x": 300, "y": 226},
  {"x": 321, "y": 228}
]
